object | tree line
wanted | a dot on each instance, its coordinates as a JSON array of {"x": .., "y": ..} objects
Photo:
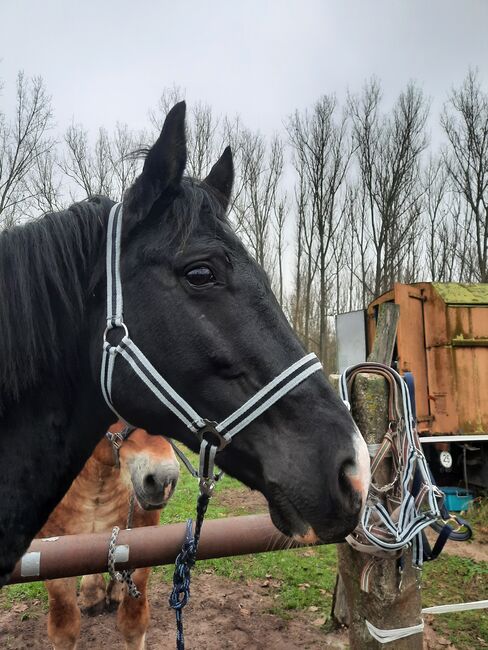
[{"x": 345, "y": 200}]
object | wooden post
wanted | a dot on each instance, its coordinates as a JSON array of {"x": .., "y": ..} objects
[{"x": 389, "y": 604}]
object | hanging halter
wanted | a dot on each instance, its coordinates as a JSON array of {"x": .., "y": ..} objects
[
  {"x": 386, "y": 529},
  {"x": 213, "y": 436}
]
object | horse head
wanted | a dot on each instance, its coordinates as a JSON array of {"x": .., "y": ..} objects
[
  {"x": 203, "y": 312},
  {"x": 149, "y": 466}
]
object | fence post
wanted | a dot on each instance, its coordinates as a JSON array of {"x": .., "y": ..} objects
[{"x": 388, "y": 604}]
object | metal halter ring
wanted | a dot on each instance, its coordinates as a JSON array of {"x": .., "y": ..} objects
[
  {"x": 210, "y": 434},
  {"x": 110, "y": 328}
]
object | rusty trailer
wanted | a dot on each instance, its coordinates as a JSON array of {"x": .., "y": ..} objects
[{"x": 442, "y": 339}]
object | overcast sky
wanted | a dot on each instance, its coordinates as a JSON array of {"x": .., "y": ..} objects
[{"x": 105, "y": 61}]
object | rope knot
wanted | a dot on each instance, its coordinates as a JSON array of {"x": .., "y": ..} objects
[{"x": 184, "y": 563}]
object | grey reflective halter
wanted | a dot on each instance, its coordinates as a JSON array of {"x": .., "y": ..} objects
[{"x": 213, "y": 436}]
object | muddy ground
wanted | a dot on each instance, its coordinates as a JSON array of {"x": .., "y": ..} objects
[{"x": 222, "y": 615}]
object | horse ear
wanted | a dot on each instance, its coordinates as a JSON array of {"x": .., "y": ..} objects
[
  {"x": 221, "y": 177},
  {"x": 164, "y": 165}
]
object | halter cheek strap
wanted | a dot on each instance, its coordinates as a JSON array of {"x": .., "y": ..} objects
[
  {"x": 213, "y": 436},
  {"x": 116, "y": 439}
]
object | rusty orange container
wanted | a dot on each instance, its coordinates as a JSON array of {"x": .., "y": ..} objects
[{"x": 443, "y": 340}]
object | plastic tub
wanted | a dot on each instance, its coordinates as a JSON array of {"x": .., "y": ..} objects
[{"x": 457, "y": 499}]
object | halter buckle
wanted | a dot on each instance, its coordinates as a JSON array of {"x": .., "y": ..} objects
[
  {"x": 116, "y": 439},
  {"x": 210, "y": 434},
  {"x": 207, "y": 486}
]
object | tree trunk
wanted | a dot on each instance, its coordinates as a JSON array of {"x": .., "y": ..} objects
[{"x": 394, "y": 600}]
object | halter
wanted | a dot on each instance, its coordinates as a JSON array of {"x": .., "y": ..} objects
[
  {"x": 213, "y": 436},
  {"x": 386, "y": 530},
  {"x": 116, "y": 439}
]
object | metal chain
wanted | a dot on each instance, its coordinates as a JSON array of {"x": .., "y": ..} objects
[
  {"x": 125, "y": 575},
  {"x": 185, "y": 561}
]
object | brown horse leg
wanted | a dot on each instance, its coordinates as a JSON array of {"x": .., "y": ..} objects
[
  {"x": 92, "y": 595},
  {"x": 133, "y": 613},
  {"x": 115, "y": 594},
  {"x": 63, "y": 621}
]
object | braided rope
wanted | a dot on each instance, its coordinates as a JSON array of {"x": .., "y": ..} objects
[{"x": 185, "y": 561}]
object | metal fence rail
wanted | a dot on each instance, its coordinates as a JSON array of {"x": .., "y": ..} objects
[{"x": 75, "y": 555}]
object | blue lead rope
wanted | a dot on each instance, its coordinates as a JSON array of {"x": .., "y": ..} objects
[{"x": 184, "y": 563}]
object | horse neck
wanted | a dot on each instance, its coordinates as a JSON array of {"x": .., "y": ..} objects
[
  {"x": 46, "y": 268},
  {"x": 97, "y": 499},
  {"x": 44, "y": 443}
]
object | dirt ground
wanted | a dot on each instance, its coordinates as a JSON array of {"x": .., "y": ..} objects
[
  {"x": 222, "y": 615},
  {"x": 473, "y": 550}
]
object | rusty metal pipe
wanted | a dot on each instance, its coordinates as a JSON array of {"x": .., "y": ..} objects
[{"x": 75, "y": 555}]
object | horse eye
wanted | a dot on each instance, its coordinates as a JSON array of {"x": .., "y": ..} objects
[{"x": 200, "y": 276}]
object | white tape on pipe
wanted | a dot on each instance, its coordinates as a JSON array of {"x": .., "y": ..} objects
[
  {"x": 121, "y": 553},
  {"x": 30, "y": 565}
]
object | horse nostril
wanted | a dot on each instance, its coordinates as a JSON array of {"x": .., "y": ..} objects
[
  {"x": 150, "y": 483},
  {"x": 171, "y": 484},
  {"x": 351, "y": 484}
]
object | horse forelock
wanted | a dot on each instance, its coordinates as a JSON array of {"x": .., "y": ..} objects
[
  {"x": 192, "y": 205},
  {"x": 43, "y": 283}
]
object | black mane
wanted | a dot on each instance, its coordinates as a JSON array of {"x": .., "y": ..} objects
[
  {"x": 43, "y": 272},
  {"x": 43, "y": 281}
]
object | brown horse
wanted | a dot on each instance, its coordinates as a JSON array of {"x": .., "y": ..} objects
[{"x": 97, "y": 501}]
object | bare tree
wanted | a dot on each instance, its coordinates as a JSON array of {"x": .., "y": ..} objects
[
  {"x": 125, "y": 165},
  {"x": 108, "y": 167},
  {"x": 465, "y": 122},
  {"x": 24, "y": 141},
  {"x": 389, "y": 152},
  {"x": 261, "y": 168},
  {"x": 439, "y": 234},
  {"x": 322, "y": 152},
  {"x": 280, "y": 212},
  {"x": 45, "y": 184}
]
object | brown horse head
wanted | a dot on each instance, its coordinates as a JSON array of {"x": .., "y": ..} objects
[{"x": 148, "y": 465}]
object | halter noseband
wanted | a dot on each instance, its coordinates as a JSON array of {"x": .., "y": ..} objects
[{"x": 213, "y": 436}]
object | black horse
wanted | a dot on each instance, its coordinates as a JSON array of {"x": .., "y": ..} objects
[{"x": 202, "y": 311}]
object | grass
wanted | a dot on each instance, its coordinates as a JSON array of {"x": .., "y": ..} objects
[
  {"x": 26, "y": 592},
  {"x": 452, "y": 579},
  {"x": 303, "y": 579},
  {"x": 477, "y": 515}
]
